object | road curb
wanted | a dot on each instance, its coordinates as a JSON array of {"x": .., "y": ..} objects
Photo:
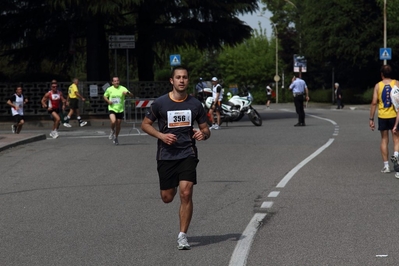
[{"x": 25, "y": 140}]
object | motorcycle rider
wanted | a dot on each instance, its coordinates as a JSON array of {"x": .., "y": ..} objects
[{"x": 217, "y": 94}]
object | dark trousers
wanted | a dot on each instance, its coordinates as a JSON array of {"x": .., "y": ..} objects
[
  {"x": 298, "y": 101},
  {"x": 339, "y": 103}
]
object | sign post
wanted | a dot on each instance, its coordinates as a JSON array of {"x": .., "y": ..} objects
[
  {"x": 122, "y": 42},
  {"x": 385, "y": 54},
  {"x": 300, "y": 64},
  {"x": 175, "y": 60}
]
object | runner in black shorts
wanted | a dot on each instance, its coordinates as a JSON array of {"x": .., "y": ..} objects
[
  {"x": 118, "y": 115},
  {"x": 114, "y": 96},
  {"x": 177, "y": 154},
  {"x": 17, "y": 102}
]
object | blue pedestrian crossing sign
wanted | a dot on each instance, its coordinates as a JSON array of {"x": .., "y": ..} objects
[
  {"x": 385, "y": 54},
  {"x": 175, "y": 60}
]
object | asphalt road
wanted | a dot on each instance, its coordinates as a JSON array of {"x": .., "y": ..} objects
[{"x": 269, "y": 195}]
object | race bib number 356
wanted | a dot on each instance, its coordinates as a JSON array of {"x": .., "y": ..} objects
[{"x": 180, "y": 118}]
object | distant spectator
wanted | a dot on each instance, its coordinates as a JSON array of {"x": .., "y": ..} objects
[
  {"x": 338, "y": 96},
  {"x": 217, "y": 94},
  {"x": 268, "y": 95}
]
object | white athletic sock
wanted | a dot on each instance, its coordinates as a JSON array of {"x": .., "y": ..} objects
[
  {"x": 386, "y": 164},
  {"x": 181, "y": 234},
  {"x": 396, "y": 154}
]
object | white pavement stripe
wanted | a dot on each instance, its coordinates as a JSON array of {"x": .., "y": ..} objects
[
  {"x": 291, "y": 173},
  {"x": 267, "y": 204},
  {"x": 273, "y": 194},
  {"x": 240, "y": 254},
  {"x": 322, "y": 118}
]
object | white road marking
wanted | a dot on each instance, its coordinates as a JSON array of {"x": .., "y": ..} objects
[
  {"x": 241, "y": 252},
  {"x": 293, "y": 171},
  {"x": 273, "y": 194},
  {"x": 266, "y": 204}
]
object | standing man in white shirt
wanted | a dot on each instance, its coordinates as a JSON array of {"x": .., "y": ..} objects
[
  {"x": 299, "y": 89},
  {"x": 217, "y": 94}
]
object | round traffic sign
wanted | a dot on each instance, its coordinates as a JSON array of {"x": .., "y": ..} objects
[{"x": 276, "y": 78}]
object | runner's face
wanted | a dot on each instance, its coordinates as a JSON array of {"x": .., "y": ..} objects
[
  {"x": 115, "y": 82},
  {"x": 19, "y": 91},
  {"x": 54, "y": 87},
  {"x": 180, "y": 80}
]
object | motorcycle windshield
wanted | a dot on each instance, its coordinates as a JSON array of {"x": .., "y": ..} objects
[{"x": 250, "y": 97}]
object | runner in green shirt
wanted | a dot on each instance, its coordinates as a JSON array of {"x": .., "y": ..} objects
[{"x": 115, "y": 97}]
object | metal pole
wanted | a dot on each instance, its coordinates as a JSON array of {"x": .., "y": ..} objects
[
  {"x": 127, "y": 68},
  {"x": 385, "y": 27},
  {"x": 276, "y": 63},
  {"x": 116, "y": 68},
  {"x": 282, "y": 85},
  {"x": 333, "y": 82}
]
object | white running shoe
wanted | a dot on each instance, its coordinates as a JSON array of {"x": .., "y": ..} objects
[
  {"x": 183, "y": 243},
  {"x": 83, "y": 123},
  {"x": 395, "y": 162},
  {"x": 116, "y": 142},
  {"x": 13, "y": 128},
  {"x": 216, "y": 127},
  {"x": 67, "y": 125},
  {"x": 54, "y": 134},
  {"x": 111, "y": 136},
  {"x": 385, "y": 170},
  {"x": 397, "y": 175}
]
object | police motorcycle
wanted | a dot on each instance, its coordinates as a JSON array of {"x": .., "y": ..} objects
[{"x": 236, "y": 107}]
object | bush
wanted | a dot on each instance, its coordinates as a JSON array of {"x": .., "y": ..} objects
[
  {"x": 320, "y": 96},
  {"x": 367, "y": 96}
]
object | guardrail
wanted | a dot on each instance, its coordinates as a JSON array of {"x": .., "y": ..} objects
[{"x": 139, "y": 106}]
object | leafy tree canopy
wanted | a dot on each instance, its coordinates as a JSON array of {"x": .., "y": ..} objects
[
  {"x": 337, "y": 35},
  {"x": 53, "y": 30}
]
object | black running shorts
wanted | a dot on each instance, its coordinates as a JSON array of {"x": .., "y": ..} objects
[
  {"x": 386, "y": 123},
  {"x": 171, "y": 172}
]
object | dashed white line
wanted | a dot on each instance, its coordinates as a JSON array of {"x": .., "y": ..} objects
[
  {"x": 240, "y": 254},
  {"x": 273, "y": 194},
  {"x": 241, "y": 251},
  {"x": 293, "y": 171}
]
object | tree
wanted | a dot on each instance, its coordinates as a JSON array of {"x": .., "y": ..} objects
[
  {"x": 249, "y": 63},
  {"x": 340, "y": 34},
  {"x": 158, "y": 26}
]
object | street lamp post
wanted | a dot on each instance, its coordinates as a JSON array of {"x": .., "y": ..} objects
[
  {"x": 297, "y": 26},
  {"x": 385, "y": 27},
  {"x": 276, "y": 77}
]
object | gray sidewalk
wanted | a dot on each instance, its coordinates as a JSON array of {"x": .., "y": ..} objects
[{"x": 9, "y": 140}]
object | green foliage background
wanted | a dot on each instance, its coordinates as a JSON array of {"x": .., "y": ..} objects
[{"x": 340, "y": 39}]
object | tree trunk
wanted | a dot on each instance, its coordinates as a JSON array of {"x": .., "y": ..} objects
[
  {"x": 97, "y": 50},
  {"x": 144, "y": 45}
]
